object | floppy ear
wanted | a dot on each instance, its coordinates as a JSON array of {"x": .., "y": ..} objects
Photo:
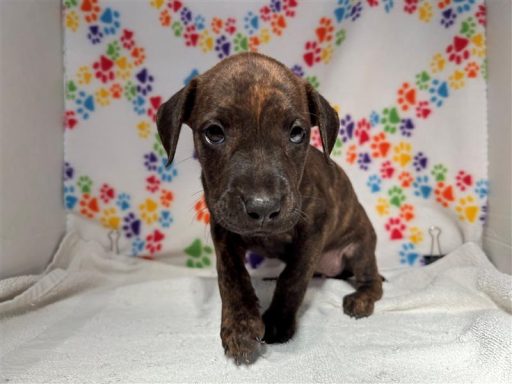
[
  {"x": 172, "y": 114},
  {"x": 324, "y": 117}
]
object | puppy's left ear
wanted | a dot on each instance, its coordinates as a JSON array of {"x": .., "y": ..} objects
[
  {"x": 172, "y": 114},
  {"x": 324, "y": 117}
]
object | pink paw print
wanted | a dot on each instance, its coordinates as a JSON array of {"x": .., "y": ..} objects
[
  {"x": 191, "y": 36},
  {"x": 387, "y": 170},
  {"x": 423, "y": 110},
  {"x": 127, "y": 39},
  {"x": 312, "y": 54},
  {"x": 396, "y": 228},
  {"x": 464, "y": 180},
  {"x": 70, "y": 120},
  {"x": 154, "y": 241},
  {"x": 265, "y": 13},
  {"x": 152, "y": 183},
  {"x": 410, "y": 6},
  {"x": 363, "y": 131},
  {"x": 289, "y": 7},
  {"x": 107, "y": 193},
  {"x": 230, "y": 26},
  {"x": 458, "y": 50}
]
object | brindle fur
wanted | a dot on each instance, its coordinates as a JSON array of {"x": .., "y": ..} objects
[{"x": 256, "y": 98}]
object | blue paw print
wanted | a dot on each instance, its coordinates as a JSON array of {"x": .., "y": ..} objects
[
  {"x": 165, "y": 219},
  {"x": 137, "y": 246},
  {"x": 189, "y": 78},
  {"x": 448, "y": 17},
  {"x": 110, "y": 20},
  {"x": 438, "y": 92},
  {"x": 69, "y": 172},
  {"x": 139, "y": 105},
  {"x": 343, "y": 11},
  {"x": 275, "y": 6},
  {"x": 420, "y": 161},
  {"x": 123, "y": 201},
  {"x": 199, "y": 21},
  {"x": 482, "y": 188},
  {"x": 364, "y": 161},
  {"x": 406, "y": 127},
  {"x": 463, "y": 5},
  {"x": 95, "y": 35},
  {"x": 222, "y": 47},
  {"x": 85, "y": 104},
  {"x": 151, "y": 161},
  {"x": 131, "y": 226},
  {"x": 388, "y": 5},
  {"x": 347, "y": 128},
  {"x": 145, "y": 81},
  {"x": 70, "y": 199},
  {"x": 374, "y": 182},
  {"x": 374, "y": 118},
  {"x": 251, "y": 22},
  {"x": 421, "y": 187},
  {"x": 356, "y": 10},
  {"x": 298, "y": 70},
  {"x": 186, "y": 15},
  {"x": 167, "y": 174},
  {"x": 408, "y": 254}
]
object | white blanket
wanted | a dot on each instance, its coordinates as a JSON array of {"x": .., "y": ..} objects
[{"x": 96, "y": 317}]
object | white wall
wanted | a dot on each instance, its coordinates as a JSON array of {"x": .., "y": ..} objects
[
  {"x": 497, "y": 236},
  {"x": 32, "y": 218}
]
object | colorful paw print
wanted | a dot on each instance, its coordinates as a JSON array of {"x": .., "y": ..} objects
[
  {"x": 278, "y": 24},
  {"x": 374, "y": 182},
  {"x": 422, "y": 187},
  {"x": 456, "y": 79},
  {"x": 351, "y": 154},
  {"x": 406, "y": 97},
  {"x": 144, "y": 82},
  {"x": 131, "y": 226},
  {"x": 464, "y": 5},
  {"x": 444, "y": 194},
  {"x": 206, "y": 41},
  {"x": 165, "y": 18},
  {"x": 478, "y": 45},
  {"x": 107, "y": 193},
  {"x": 138, "y": 246},
  {"x": 405, "y": 179},
  {"x": 464, "y": 180},
  {"x": 410, "y": 6},
  {"x": 72, "y": 21},
  {"x": 185, "y": 15},
  {"x": 152, "y": 183},
  {"x": 69, "y": 172},
  {"x": 95, "y": 35},
  {"x": 315, "y": 138},
  {"x": 191, "y": 36},
  {"x": 177, "y": 28},
  {"x": 84, "y": 184},
  {"x": 104, "y": 69},
  {"x": 166, "y": 198},
  {"x": 482, "y": 188},
  {"x": 324, "y": 32},
  {"x": 396, "y": 196},
  {"x": 110, "y": 219},
  {"x": 127, "y": 39},
  {"x": 439, "y": 91},
  {"x": 362, "y": 132},
  {"x": 472, "y": 70},
  {"x": 138, "y": 55},
  {"x": 448, "y": 17},
  {"x": 91, "y": 10},
  {"x": 420, "y": 161},
  {"x": 167, "y": 174},
  {"x": 139, "y": 105},
  {"x": 390, "y": 119},
  {"x": 379, "y": 145},
  {"x": 382, "y": 206},
  {"x": 84, "y": 75},
  {"x": 364, "y": 160},
  {"x": 468, "y": 27},
  {"x": 343, "y": 10},
  {"x": 423, "y": 110},
  {"x": 70, "y": 198},
  {"x": 230, "y": 26},
  {"x": 165, "y": 219},
  {"x": 199, "y": 255},
  {"x": 458, "y": 50},
  {"x": 439, "y": 172},
  {"x": 425, "y": 12},
  {"x": 407, "y": 212},
  {"x": 240, "y": 43},
  {"x": 407, "y": 127},
  {"x": 89, "y": 206},
  {"x": 423, "y": 80},
  {"x": 202, "y": 213},
  {"x": 102, "y": 97},
  {"x": 388, "y": 5},
  {"x": 387, "y": 170},
  {"x": 85, "y": 105},
  {"x": 154, "y": 242},
  {"x": 123, "y": 201},
  {"x": 467, "y": 209},
  {"x": 415, "y": 235},
  {"x": 251, "y": 23},
  {"x": 70, "y": 120},
  {"x": 312, "y": 54},
  {"x": 408, "y": 254},
  {"x": 402, "y": 153},
  {"x": 110, "y": 21},
  {"x": 347, "y": 128},
  {"x": 395, "y": 228},
  {"x": 356, "y": 11},
  {"x": 148, "y": 211},
  {"x": 222, "y": 47}
]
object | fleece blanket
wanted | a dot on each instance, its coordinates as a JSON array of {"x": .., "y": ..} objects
[
  {"x": 94, "y": 316},
  {"x": 406, "y": 76}
]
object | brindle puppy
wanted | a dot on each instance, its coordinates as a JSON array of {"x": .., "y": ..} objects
[{"x": 268, "y": 190}]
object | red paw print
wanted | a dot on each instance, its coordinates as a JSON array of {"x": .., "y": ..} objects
[
  {"x": 152, "y": 183},
  {"x": 104, "y": 68},
  {"x": 70, "y": 119},
  {"x": 315, "y": 140},
  {"x": 107, "y": 193},
  {"x": 387, "y": 170},
  {"x": 396, "y": 228},
  {"x": 165, "y": 18},
  {"x": 458, "y": 50},
  {"x": 202, "y": 213},
  {"x": 217, "y": 25},
  {"x": 91, "y": 10},
  {"x": 175, "y": 5},
  {"x": 265, "y": 13},
  {"x": 444, "y": 194},
  {"x": 481, "y": 15},
  {"x": 373, "y": 3},
  {"x": 325, "y": 30},
  {"x": 380, "y": 146},
  {"x": 352, "y": 154},
  {"x": 230, "y": 26},
  {"x": 407, "y": 212},
  {"x": 464, "y": 180},
  {"x": 472, "y": 70},
  {"x": 423, "y": 110},
  {"x": 166, "y": 198},
  {"x": 127, "y": 39},
  {"x": 278, "y": 23},
  {"x": 406, "y": 97},
  {"x": 312, "y": 54},
  {"x": 139, "y": 55},
  {"x": 89, "y": 206},
  {"x": 154, "y": 241},
  {"x": 410, "y": 6},
  {"x": 191, "y": 36},
  {"x": 442, "y": 4},
  {"x": 362, "y": 131},
  {"x": 289, "y": 7},
  {"x": 405, "y": 179},
  {"x": 154, "y": 103}
]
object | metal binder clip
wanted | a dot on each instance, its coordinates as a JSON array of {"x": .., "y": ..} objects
[
  {"x": 114, "y": 236},
  {"x": 435, "y": 246}
]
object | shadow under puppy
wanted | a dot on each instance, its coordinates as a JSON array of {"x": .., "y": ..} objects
[{"x": 269, "y": 191}]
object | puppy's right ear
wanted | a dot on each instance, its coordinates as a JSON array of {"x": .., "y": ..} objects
[{"x": 172, "y": 114}]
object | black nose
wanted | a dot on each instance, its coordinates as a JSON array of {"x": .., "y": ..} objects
[{"x": 262, "y": 207}]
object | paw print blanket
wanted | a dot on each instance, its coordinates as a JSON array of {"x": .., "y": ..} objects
[{"x": 406, "y": 76}]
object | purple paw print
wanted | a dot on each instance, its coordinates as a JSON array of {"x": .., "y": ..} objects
[
  {"x": 131, "y": 226},
  {"x": 406, "y": 127},
  {"x": 253, "y": 259},
  {"x": 68, "y": 171},
  {"x": 448, "y": 18},
  {"x": 222, "y": 47},
  {"x": 151, "y": 161},
  {"x": 298, "y": 70},
  {"x": 186, "y": 15},
  {"x": 364, "y": 161},
  {"x": 420, "y": 161},
  {"x": 347, "y": 128},
  {"x": 145, "y": 82},
  {"x": 356, "y": 10},
  {"x": 275, "y": 6},
  {"x": 95, "y": 34}
]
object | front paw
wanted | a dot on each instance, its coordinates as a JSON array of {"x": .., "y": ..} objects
[
  {"x": 241, "y": 339},
  {"x": 278, "y": 328},
  {"x": 358, "y": 305}
]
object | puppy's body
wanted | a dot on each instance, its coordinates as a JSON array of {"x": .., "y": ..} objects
[{"x": 269, "y": 191}]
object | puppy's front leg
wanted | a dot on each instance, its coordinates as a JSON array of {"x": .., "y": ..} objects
[{"x": 241, "y": 326}]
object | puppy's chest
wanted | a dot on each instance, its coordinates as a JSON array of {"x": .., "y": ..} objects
[{"x": 273, "y": 247}]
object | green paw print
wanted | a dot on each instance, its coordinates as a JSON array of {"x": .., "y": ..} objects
[
  {"x": 158, "y": 147},
  {"x": 396, "y": 196},
  {"x": 114, "y": 50},
  {"x": 423, "y": 80},
  {"x": 468, "y": 27},
  {"x": 130, "y": 90},
  {"x": 241, "y": 43},
  {"x": 338, "y": 144},
  {"x": 70, "y": 3},
  {"x": 84, "y": 184},
  {"x": 313, "y": 80},
  {"x": 71, "y": 89},
  {"x": 483, "y": 69},
  {"x": 177, "y": 27},
  {"x": 340, "y": 36},
  {"x": 199, "y": 255},
  {"x": 390, "y": 119},
  {"x": 439, "y": 172}
]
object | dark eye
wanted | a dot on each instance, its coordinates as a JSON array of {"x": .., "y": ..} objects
[
  {"x": 214, "y": 134},
  {"x": 297, "y": 134}
]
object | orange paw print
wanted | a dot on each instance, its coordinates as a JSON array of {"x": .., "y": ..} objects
[
  {"x": 217, "y": 25},
  {"x": 166, "y": 198},
  {"x": 116, "y": 91},
  {"x": 278, "y": 23},
  {"x": 380, "y": 146},
  {"x": 405, "y": 179},
  {"x": 110, "y": 219},
  {"x": 202, "y": 213},
  {"x": 139, "y": 55},
  {"x": 165, "y": 18},
  {"x": 442, "y": 4},
  {"x": 406, "y": 97},
  {"x": 407, "y": 212},
  {"x": 325, "y": 30},
  {"x": 467, "y": 209},
  {"x": 352, "y": 154},
  {"x": 91, "y": 10},
  {"x": 254, "y": 42},
  {"x": 444, "y": 194},
  {"x": 89, "y": 206},
  {"x": 472, "y": 70}
]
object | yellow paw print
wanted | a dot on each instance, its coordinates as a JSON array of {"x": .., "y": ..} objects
[
  {"x": 326, "y": 54},
  {"x": 148, "y": 211},
  {"x": 382, "y": 206},
  {"x": 425, "y": 12},
  {"x": 415, "y": 235},
  {"x": 72, "y": 21},
  {"x": 264, "y": 36},
  {"x": 102, "y": 97},
  {"x": 456, "y": 80},
  {"x": 206, "y": 41},
  {"x": 110, "y": 219},
  {"x": 478, "y": 42},
  {"x": 402, "y": 153},
  {"x": 467, "y": 209},
  {"x": 438, "y": 63},
  {"x": 84, "y": 75},
  {"x": 156, "y": 3},
  {"x": 123, "y": 68},
  {"x": 143, "y": 129}
]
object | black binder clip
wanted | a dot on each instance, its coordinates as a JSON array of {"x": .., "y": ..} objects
[{"x": 435, "y": 254}]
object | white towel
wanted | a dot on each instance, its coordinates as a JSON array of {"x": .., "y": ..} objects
[{"x": 96, "y": 317}]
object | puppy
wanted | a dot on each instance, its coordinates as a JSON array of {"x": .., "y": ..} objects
[{"x": 269, "y": 191}]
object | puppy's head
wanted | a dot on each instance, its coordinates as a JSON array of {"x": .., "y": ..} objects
[{"x": 251, "y": 119}]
